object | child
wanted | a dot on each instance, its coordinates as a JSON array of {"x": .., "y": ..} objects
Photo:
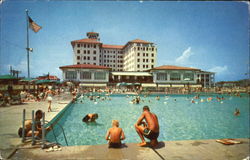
[{"x": 115, "y": 135}]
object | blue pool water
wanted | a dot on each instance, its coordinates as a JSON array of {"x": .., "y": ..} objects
[{"x": 179, "y": 120}]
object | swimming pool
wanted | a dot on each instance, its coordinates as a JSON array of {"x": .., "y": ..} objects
[{"x": 179, "y": 119}]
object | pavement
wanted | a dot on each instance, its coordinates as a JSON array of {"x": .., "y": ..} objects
[{"x": 11, "y": 146}]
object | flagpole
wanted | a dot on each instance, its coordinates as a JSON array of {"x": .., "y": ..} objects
[{"x": 27, "y": 48}]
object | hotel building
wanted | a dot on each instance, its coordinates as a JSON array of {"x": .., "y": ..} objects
[
  {"x": 133, "y": 63},
  {"x": 135, "y": 55}
]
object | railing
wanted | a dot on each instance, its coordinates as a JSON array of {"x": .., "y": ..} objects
[
  {"x": 52, "y": 126},
  {"x": 43, "y": 129}
]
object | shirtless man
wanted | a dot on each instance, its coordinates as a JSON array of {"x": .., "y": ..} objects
[
  {"x": 115, "y": 135},
  {"x": 28, "y": 126},
  {"x": 149, "y": 130},
  {"x": 91, "y": 117}
]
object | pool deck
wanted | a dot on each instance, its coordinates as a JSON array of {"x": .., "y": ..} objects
[{"x": 11, "y": 146}]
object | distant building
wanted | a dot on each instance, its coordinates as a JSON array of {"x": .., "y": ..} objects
[
  {"x": 48, "y": 77},
  {"x": 86, "y": 73},
  {"x": 168, "y": 75},
  {"x": 136, "y": 55}
]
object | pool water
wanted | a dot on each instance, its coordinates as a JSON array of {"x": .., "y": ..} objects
[{"x": 179, "y": 119}]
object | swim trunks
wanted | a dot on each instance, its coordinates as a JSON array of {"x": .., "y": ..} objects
[
  {"x": 150, "y": 134},
  {"x": 114, "y": 145}
]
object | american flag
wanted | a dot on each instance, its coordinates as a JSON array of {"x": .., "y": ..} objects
[{"x": 35, "y": 27}]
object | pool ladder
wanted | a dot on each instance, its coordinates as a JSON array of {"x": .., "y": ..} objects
[{"x": 65, "y": 139}]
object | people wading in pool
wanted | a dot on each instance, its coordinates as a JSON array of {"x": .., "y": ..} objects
[
  {"x": 115, "y": 135},
  {"x": 91, "y": 117},
  {"x": 149, "y": 130}
]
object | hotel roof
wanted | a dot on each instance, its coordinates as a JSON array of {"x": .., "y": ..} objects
[
  {"x": 84, "y": 66},
  {"x": 86, "y": 40},
  {"x": 170, "y": 67},
  {"x": 139, "y": 41},
  {"x": 112, "y": 46}
]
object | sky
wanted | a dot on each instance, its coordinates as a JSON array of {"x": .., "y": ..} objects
[{"x": 211, "y": 36}]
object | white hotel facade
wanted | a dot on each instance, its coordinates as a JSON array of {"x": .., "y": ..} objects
[
  {"x": 134, "y": 62},
  {"x": 135, "y": 55}
]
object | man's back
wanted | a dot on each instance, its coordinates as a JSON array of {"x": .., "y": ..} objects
[
  {"x": 115, "y": 134},
  {"x": 152, "y": 121}
]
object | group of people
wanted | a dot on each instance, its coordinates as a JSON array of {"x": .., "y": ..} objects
[
  {"x": 147, "y": 126},
  {"x": 37, "y": 124}
]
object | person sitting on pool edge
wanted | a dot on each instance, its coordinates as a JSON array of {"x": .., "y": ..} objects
[
  {"x": 150, "y": 130},
  {"x": 115, "y": 135},
  {"x": 28, "y": 126},
  {"x": 91, "y": 117}
]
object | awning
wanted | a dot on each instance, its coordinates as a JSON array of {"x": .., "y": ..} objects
[
  {"x": 2, "y": 77},
  {"x": 131, "y": 73},
  {"x": 93, "y": 85},
  {"x": 196, "y": 85},
  {"x": 163, "y": 85},
  {"x": 177, "y": 85},
  {"x": 148, "y": 85}
]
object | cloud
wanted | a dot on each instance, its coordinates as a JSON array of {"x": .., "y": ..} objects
[
  {"x": 219, "y": 70},
  {"x": 184, "y": 57}
]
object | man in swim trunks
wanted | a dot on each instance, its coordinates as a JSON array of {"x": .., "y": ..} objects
[
  {"x": 28, "y": 126},
  {"x": 150, "y": 129},
  {"x": 115, "y": 135}
]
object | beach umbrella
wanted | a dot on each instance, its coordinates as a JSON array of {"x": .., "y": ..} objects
[{"x": 3, "y": 77}]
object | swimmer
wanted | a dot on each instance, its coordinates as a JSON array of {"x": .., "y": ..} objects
[
  {"x": 237, "y": 112},
  {"x": 91, "y": 117},
  {"x": 157, "y": 98}
]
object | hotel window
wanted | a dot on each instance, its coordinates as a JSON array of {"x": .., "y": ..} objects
[
  {"x": 84, "y": 57},
  {"x": 143, "y": 54},
  {"x": 84, "y": 51},
  {"x": 138, "y": 54},
  {"x": 78, "y": 45},
  {"x": 138, "y": 66},
  {"x": 152, "y": 66},
  {"x": 104, "y": 61},
  {"x": 85, "y": 75},
  {"x": 175, "y": 76},
  {"x": 104, "y": 51},
  {"x": 143, "y": 66},
  {"x": 94, "y": 52},
  {"x": 114, "y": 56},
  {"x": 88, "y": 46},
  {"x": 88, "y": 51},
  {"x": 114, "y": 52},
  {"x": 100, "y": 55},
  {"x": 94, "y": 46},
  {"x": 78, "y": 62},
  {"x": 78, "y": 57},
  {"x": 78, "y": 51},
  {"x": 188, "y": 76},
  {"x": 107, "y": 56},
  {"x": 152, "y": 49},
  {"x": 162, "y": 76},
  {"x": 138, "y": 48},
  {"x": 100, "y": 61},
  {"x": 138, "y": 60},
  {"x": 152, "y": 60},
  {"x": 94, "y": 58},
  {"x": 108, "y": 51},
  {"x": 152, "y": 54},
  {"x": 88, "y": 58},
  {"x": 143, "y": 60},
  {"x": 94, "y": 63},
  {"x": 70, "y": 74},
  {"x": 147, "y": 48},
  {"x": 147, "y": 54},
  {"x": 146, "y": 60},
  {"x": 104, "y": 56},
  {"x": 146, "y": 66},
  {"x": 84, "y": 45}
]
